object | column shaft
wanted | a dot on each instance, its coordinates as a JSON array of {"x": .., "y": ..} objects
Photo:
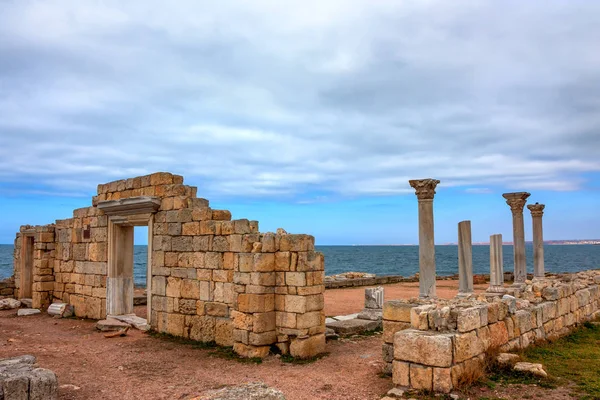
[
  {"x": 519, "y": 248},
  {"x": 426, "y": 250},
  {"x": 496, "y": 264},
  {"x": 537, "y": 211},
  {"x": 465, "y": 258}
]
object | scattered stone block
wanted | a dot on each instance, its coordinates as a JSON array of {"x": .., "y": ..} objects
[
  {"x": 370, "y": 314},
  {"x": 255, "y": 390},
  {"x": 134, "y": 320},
  {"x": 353, "y": 326},
  {"x": 531, "y": 368},
  {"x": 9, "y": 304},
  {"x": 20, "y": 379},
  {"x": 507, "y": 359},
  {"x": 345, "y": 317},
  {"x": 27, "y": 302},
  {"x": 23, "y": 312},
  {"x": 111, "y": 324},
  {"x": 374, "y": 298}
]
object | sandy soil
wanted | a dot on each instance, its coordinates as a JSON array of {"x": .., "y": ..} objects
[{"x": 139, "y": 366}]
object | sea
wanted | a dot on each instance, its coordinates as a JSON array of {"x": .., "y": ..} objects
[{"x": 400, "y": 260}]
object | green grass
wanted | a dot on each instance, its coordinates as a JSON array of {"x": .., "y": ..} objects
[
  {"x": 575, "y": 357},
  {"x": 286, "y": 358},
  {"x": 216, "y": 350}
]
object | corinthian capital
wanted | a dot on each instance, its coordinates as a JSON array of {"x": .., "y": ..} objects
[
  {"x": 537, "y": 209},
  {"x": 424, "y": 188},
  {"x": 516, "y": 201}
]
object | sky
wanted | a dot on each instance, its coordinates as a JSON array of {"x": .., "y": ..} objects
[{"x": 307, "y": 115}]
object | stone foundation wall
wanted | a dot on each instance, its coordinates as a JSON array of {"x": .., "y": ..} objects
[
  {"x": 7, "y": 288},
  {"x": 212, "y": 278},
  {"x": 430, "y": 345}
]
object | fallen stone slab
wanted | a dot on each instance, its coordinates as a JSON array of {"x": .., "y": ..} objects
[
  {"x": 9, "y": 304},
  {"x": 21, "y": 379},
  {"x": 23, "y": 312},
  {"x": 133, "y": 320},
  {"x": 345, "y": 317},
  {"x": 534, "y": 369},
  {"x": 248, "y": 391},
  {"x": 27, "y": 302},
  {"x": 353, "y": 326},
  {"x": 111, "y": 324},
  {"x": 370, "y": 314},
  {"x": 507, "y": 359}
]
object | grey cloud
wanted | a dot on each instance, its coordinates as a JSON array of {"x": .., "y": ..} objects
[{"x": 268, "y": 99}]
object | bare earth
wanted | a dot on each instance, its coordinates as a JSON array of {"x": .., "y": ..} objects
[{"x": 139, "y": 366}]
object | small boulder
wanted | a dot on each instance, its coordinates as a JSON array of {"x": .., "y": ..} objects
[
  {"x": 507, "y": 359},
  {"x": 23, "y": 312},
  {"x": 531, "y": 368},
  {"x": 9, "y": 304}
]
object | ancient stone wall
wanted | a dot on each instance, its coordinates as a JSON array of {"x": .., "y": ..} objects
[
  {"x": 431, "y": 344},
  {"x": 211, "y": 278},
  {"x": 7, "y": 287}
]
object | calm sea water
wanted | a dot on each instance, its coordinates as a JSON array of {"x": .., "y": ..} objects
[{"x": 400, "y": 260}]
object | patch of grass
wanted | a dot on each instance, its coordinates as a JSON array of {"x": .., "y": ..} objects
[
  {"x": 217, "y": 351},
  {"x": 574, "y": 357},
  {"x": 504, "y": 376},
  {"x": 179, "y": 340},
  {"x": 286, "y": 358},
  {"x": 228, "y": 354}
]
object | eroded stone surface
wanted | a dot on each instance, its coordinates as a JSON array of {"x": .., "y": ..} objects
[
  {"x": 353, "y": 326},
  {"x": 248, "y": 391},
  {"x": 8, "y": 304},
  {"x": 111, "y": 324},
  {"x": 21, "y": 379}
]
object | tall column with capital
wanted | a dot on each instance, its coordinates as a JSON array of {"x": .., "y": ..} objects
[
  {"x": 517, "y": 201},
  {"x": 537, "y": 210},
  {"x": 425, "y": 190}
]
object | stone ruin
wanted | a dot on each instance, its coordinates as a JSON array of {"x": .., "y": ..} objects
[
  {"x": 209, "y": 278},
  {"x": 21, "y": 379},
  {"x": 431, "y": 343}
]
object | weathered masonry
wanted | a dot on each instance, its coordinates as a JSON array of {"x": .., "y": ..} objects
[{"x": 209, "y": 278}]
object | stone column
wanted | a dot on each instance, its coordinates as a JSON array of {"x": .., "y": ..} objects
[
  {"x": 537, "y": 210},
  {"x": 425, "y": 190},
  {"x": 517, "y": 201},
  {"x": 465, "y": 259},
  {"x": 496, "y": 265}
]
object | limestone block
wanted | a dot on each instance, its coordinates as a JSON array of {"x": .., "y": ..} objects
[
  {"x": 264, "y": 262},
  {"x": 230, "y": 261},
  {"x": 469, "y": 319},
  {"x": 395, "y": 310},
  {"x": 227, "y": 228},
  {"x": 173, "y": 287},
  {"x": 423, "y": 347},
  {"x": 307, "y": 347},
  {"x": 421, "y": 377},
  {"x": 202, "y": 328},
  {"x": 391, "y": 327},
  {"x": 175, "y": 324},
  {"x": 295, "y": 278},
  {"x": 262, "y": 278},
  {"x": 493, "y": 312},
  {"x": 216, "y": 309},
  {"x": 308, "y": 320},
  {"x": 551, "y": 293},
  {"x": 186, "y": 306},
  {"x": 387, "y": 351},
  {"x": 220, "y": 244},
  {"x": 190, "y": 289},
  {"x": 315, "y": 302},
  {"x": 296, "y": 304},
  {"x": 202, "y": 243},
  {"x": 286, "y": 320},
  {"x": 467, "y": 345},
  {"x": 256, "y": 302},
  {"x": 224, "y": 332},
  {"x": 262, "y": 339},
  {"x": 213, "y": 260},
  {"x": 263, "y": 322},
  {"x": 268, "y": 243},
  {"x": 241, "y": 226},
  {"x": 522, "y": 321},
  {"x": 201, "y": 213},
  {"x": 282, "y": 261},
  {"x": 248, "y": 351},
  {"x": 181, "y": 243},
  {"x": 221, "y": 215},
  {"x": 419, "y": 318},
  {"x": 240, "y": 336},
  {"x": 310, "y": 290},
  {"x": 401, "y": 373},
  {"x": 442, "y": 381},
  {"x": 548, "y": 311},
  {"x": 185, "y": 273},
  {"x": 242, "y": 320},
  {"x": 498, "y": 334}
]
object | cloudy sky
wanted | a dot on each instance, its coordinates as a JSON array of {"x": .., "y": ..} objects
[{"x": 309, "y": 115}]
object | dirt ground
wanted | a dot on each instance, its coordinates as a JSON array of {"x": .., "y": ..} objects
[
  {"x": 352, "y": 300},
  {"x": 139, "y": 366}
]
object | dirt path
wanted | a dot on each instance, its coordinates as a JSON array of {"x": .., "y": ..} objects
[
  {"x": 352, "y": 300},
  {"x": 142, "y": 367}
]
